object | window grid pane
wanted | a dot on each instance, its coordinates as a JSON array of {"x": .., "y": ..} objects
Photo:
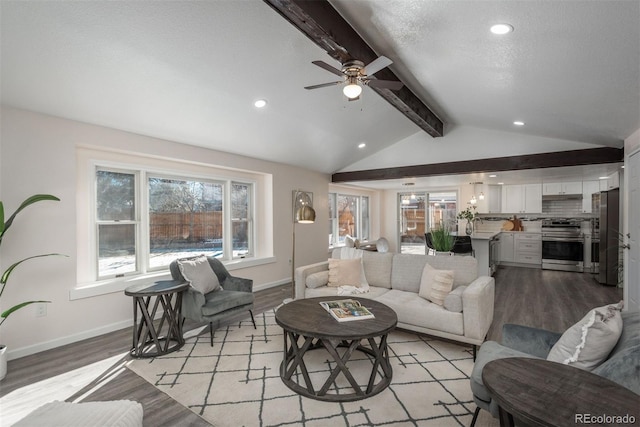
[
  {"x": 116, "y": 249},
  {"x": 185, "y": 219}
]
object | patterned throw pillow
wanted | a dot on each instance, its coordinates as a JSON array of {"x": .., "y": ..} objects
[
  {"x": 344, "y": 272},
  {"x": 435, "y": 284},
  {"x": 587, "y": 344},
  {"x": 199, "y": 274}
]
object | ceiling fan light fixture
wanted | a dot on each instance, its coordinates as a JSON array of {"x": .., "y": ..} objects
[{"x": 353, "y": 89}]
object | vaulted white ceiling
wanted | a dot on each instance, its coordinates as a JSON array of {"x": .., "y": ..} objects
[{"x": 190, "y": 71}]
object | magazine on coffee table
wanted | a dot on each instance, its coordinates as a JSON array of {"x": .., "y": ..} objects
[{"x": 345, "y": 310}]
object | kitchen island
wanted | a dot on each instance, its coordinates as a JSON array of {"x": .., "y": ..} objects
[{"x": 482, "y": 242}]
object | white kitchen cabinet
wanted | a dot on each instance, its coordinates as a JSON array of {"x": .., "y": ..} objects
[
  {"x": 492, "y": 202},
  {"x": 613, "y": 181},
  {"x": 528, "y": 248},
  {"x": 588, "y": 188},
  {"x": 507, "y": 253},
  {"x": 525, "y": 198},
  {"x": 558, "y": 188}
]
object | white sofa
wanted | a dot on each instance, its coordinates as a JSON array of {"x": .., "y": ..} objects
[{"x": 394, "y": 280}]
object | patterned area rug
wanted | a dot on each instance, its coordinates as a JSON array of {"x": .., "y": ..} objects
[{"x": 236, "y": 382}]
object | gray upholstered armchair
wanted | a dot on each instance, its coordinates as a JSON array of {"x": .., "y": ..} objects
[
  {"x": 235, "y": 296},
  {"x": 621, "y": 366}
]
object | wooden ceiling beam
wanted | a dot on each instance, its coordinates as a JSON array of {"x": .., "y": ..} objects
[
  {"x": 319, "y": 21},
  {"x": 591, "y": 156}
]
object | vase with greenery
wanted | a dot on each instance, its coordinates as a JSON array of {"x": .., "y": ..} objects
[
  {"x": 4, "y": 226},
  {"x": 470, "y": 215},
  {"x": 442, "y": 239}
]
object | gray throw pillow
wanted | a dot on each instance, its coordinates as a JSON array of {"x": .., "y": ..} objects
[
  {"x": 587, "y": 344},
  {"x": 199, "y": 274},
  {"x": 453, "y": 301}
]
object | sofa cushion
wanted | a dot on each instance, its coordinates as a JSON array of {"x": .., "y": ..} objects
[
  {"x": 331, "y": 292},
  {"x": 588, "y": 343},
  {"x": 406, "y": 272},
  {"x": 435, "y": 284},
  {"x": 199, "y": 274},
  {"x": 377, "y": 268},
  {"x": 315, "y": 280},
  {"x": 413, "y": 310},
  {"x": 465, "y": 267},
  {"x": 344, "y": 272},
  {"x": 218, "y": 302}
]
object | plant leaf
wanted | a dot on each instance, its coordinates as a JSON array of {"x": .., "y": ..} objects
[
  {"x": 1, "y": 218},
  {"x": 29, "y": 201},
  {"x": 17, "y": 307}
]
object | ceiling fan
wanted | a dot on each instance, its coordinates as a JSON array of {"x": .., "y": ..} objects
[{"x": 355, "y": 75}]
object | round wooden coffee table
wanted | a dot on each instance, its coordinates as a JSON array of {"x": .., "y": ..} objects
[
  {"x": 541, "y": 393},
  {"x": 308, "y": 326}
]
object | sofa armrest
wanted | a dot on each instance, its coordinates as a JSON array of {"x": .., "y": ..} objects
[
  {"x": 301, "y": 274},
  {"x": 537, "y": 342},
  {"x": 232, "y": 283},
  {"x": 477, "y": 307},
  {"x": 192, "y": 302}
]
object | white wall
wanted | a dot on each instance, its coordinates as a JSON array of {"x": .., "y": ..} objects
[{"x": 38, "y": 155}]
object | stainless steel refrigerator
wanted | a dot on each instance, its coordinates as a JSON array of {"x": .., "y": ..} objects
[{"x": 609, "y": 252}]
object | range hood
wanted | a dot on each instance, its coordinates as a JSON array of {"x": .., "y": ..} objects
[{"x": 553, "y": 197}]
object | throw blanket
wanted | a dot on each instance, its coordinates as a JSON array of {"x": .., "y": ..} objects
[{"x": 353, "y": 253}]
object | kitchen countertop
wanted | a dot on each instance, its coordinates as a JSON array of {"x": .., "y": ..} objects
[{"x": 488, "y": 235}]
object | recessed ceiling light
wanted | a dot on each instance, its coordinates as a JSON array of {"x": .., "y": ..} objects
[
  {"x": 518, "y": 123},
  {"x": 501, "y": 183},
  {"x": 362, "y": 145},
  {"x": 501, "y": 29},
  {"x": 492, "y": 176},
  {"x": 603, "y": 177},
  {"x": 260, "y": 103}
]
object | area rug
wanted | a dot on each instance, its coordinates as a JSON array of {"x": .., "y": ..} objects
[{"x": 236, "y": 382}]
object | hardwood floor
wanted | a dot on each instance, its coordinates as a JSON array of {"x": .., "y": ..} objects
[{"x": 540, "y": 298}]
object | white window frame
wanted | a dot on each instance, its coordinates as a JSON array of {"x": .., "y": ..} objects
[{"x": 335, "y": 219}]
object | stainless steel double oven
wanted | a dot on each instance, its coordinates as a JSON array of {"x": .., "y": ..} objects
[{"x": 562, "y": 245}]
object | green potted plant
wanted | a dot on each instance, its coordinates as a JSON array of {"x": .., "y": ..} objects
[
  {"x": 442, "y": 239},
  {"x": 4, "y": 226}
]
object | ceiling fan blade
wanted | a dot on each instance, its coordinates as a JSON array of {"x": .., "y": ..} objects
[
  {"x": 377, "y": 65},
  {"x": 328, "y": 67},
  {"x": 384, "y": 84},
  {"x": 323, "y": 85}
]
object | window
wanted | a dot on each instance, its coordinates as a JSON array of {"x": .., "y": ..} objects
[
  {"x": 145, "y": 220},
  {"x": 348, "y": 215}
]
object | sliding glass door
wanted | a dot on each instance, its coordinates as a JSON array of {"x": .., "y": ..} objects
[{"x": 418, "y": 212}]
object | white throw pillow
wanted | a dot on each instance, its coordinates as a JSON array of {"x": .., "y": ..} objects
[
  {"x": 199, "y": 274},
  {"x": 586, "y": 344},
  {"x": 435, "y": 284},
  {"x": 344, "y": 272}
]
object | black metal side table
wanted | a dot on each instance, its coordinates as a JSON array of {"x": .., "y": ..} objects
[{"x": 152, "y": 339}]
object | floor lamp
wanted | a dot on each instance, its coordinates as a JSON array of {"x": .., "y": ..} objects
[{"x": 303, "y": 213}]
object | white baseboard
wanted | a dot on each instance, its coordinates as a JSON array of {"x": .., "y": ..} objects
[
  {"x": 69, "y": 339},
  {"x": 264, "y": 286}
]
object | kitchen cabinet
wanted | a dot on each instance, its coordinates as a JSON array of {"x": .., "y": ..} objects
[
  {"x": 525, "y": 198},
  {"x": 507, "y": 253},
  {"x": 588, "y": 188},
  {"x": 528, "y": 248},
  {"x": 492, "y": 202},
  {"x": 558, "y": 188},
  {"x": 613, "y": 181}
]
